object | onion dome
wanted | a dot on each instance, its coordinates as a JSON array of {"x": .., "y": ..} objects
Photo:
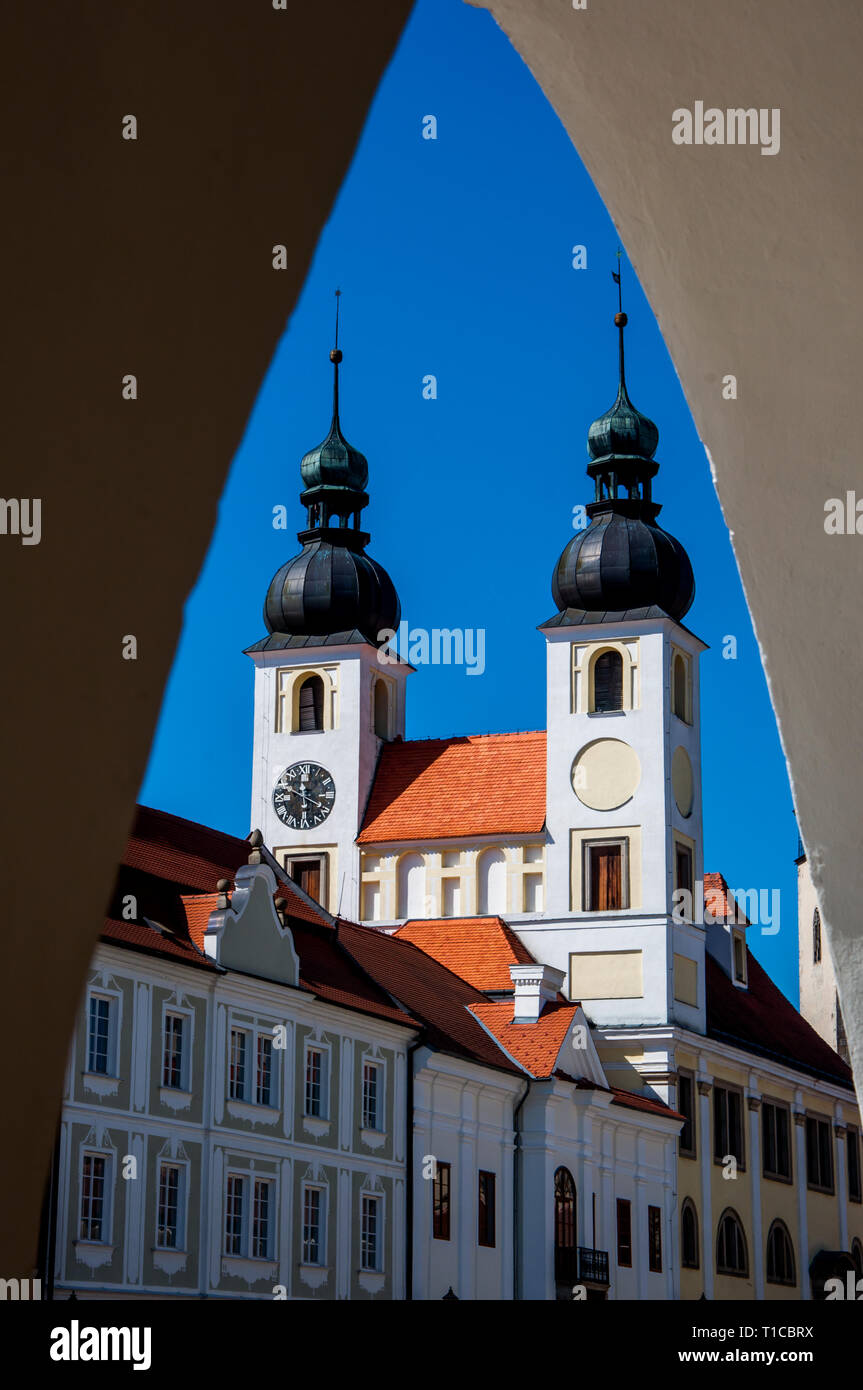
[
  {"x": 332, "y": 586},
  {"x": 623, "y": 560}
]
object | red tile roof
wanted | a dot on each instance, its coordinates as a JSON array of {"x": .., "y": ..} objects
[
  {"x": 140, "y": 937},
  {"x": 435, "y": 789},
  {"x": 479, "y": 949},
  {"x": 197, "y": 907},
  {"x": 535, "y": 1046},
  {"x": 193, "y": 858},
  {"x": 440, "y": 999},
  {"x": 760, "y": 1018}
]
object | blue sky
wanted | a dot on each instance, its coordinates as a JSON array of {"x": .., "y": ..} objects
[{"x": 454, "y": 257}]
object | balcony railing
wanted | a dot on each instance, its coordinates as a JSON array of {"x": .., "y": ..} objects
[{"x": 592, "y": 1266}]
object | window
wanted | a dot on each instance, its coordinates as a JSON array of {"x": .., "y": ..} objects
[
  {"x": 608, "y": 682},
  {"x": 94, "y": 1183},
  {"x": 373, "y": 1109},
  {"x": 264, "y": 1069},
  {"x": 317, "y": 1084},
  {"x": 686, "y": 1106},
  {"x": 313, "y": 1226},
  {"x": 237, "y": 1070},
  {"x": 605, "y": 876},
  {"x": 261, "y": 1220},
  {"x": 689, "y": 1235},
  {"x": 679, "y": 688},
  {"x": 370, "y": 1224},
  {"x": 311, "y": 705},
  {"x": 731, "y": 1246},
  {"x": 739, "y": 958},
  {"x": 776, "y": 1141},
  {"x": 172, "y": 1056},
  {"x": 855, "y": 1191},
  {"x": 485, "y": 1210},
  {"x": 309, "y": 874},
  {"x": 683, "y": 868},
  {"x": 234, "y": 1214},
  {"x": 100, "y": 1035},
  {"x": 728, "y": 1125},
  {"x": 816, "y": 937},
  {"x": 857, "y": 1256},
  {"x": 780, "y": 1255},
  {"x": 441, "y": 1201},
  {"x": 565, "y": 1251},
  {"x": 169, "y": 1208},
  {"x": 411, "y": 886},
  {"x": 242, "y": 1239},
  {"x": 654, "y": 1239},
  {"x": 624, "y": 1233},
  {"x": 819, "y": 1154},
  {"x": 382, "y": 709}
]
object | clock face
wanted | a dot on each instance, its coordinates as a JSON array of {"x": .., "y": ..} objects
[{"x": 304, "y": 795}]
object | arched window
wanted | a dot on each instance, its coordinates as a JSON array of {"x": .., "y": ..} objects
[
  {"x": 565, "y": 1252},
  {"x": 857, "y": 1256},
  {"x": 382, "y": 709},
  {"x": 731, "y": 1255},
  {"x": 678, "y": 693},
  {"x": 780, "y": 1255},
  {"x": 689, "y": 1235},
  {"x": 311, "y": 704},
  {"x": 608, "y": 682},
  {"x": 816, "y": 937},
  {"x": 491, "y": 885},
  {"x": 411, "y": 886}
]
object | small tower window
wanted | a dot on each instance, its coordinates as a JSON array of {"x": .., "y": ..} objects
[
  {"x": 381, "y": 709},
  {"x": 608, "y": 682},
  {"x": 739, "y": 959},
  {"x": 311, "y": 704},
  {"x": 679, "y": 692},
  {"x": 816, "y": 937}
]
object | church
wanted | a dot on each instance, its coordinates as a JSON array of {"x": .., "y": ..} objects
[{"x": 462, "y": 1017}]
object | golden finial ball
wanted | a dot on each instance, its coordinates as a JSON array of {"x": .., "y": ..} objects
[
  {"x": 620, "y": 320},
  {"x": 336, "y": 355}
]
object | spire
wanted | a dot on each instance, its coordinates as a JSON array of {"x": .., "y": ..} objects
[
  {"x": 621, "y": 321},
  {"x": 622, "y": 434},
  {"x": 335, "y": 358}
]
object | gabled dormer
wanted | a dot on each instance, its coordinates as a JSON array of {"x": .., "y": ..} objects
[{"x": 726, "y": 925}]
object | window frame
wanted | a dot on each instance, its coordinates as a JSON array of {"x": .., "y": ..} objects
[
  {"x": 654, "y": 1239},
  {"x": 324, "y": 1051},
  {"x": 182, "y": 1168},
  {"x": 251, "y": 1180},
  {"x": 815, "y": 1118},
  {"x": 322, "y": 859},
  {"x": 728, "y": 1089},
  {"x": 114, "y": 1000},
  {"x": 486, "y": 1209},
  {"x": 770, "y": 1103},
  {"x": 817, "y": 947},
  {"x": 595, "y": 660},
  {"x": 378, "y": 1065},
  {"x": 253, "y": 1033},
  {"x": 107, "y": 1217},
  {"x": 729, "y": 1214},
  {"x": 685, "y": 657},
  {"x": 684, "y": 1074},
  {"x": 624, "y": 1204},
  {"x": 778, "y": 1226},
  {"x": 852, "y": 1144},
  {"x": 187, "y": 1018},
  {"x": 689, "y": 1208},
  {"x": 375, "y": 1199},
  {"x": 605, "y": 842},
  {"x": 442, "y": 1201},
  {"x": 322, "y": 1224}
]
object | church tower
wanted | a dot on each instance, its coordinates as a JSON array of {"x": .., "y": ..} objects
[
  {"x": 623, "y": 748},
  {"x": 324, "y": 703}
]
